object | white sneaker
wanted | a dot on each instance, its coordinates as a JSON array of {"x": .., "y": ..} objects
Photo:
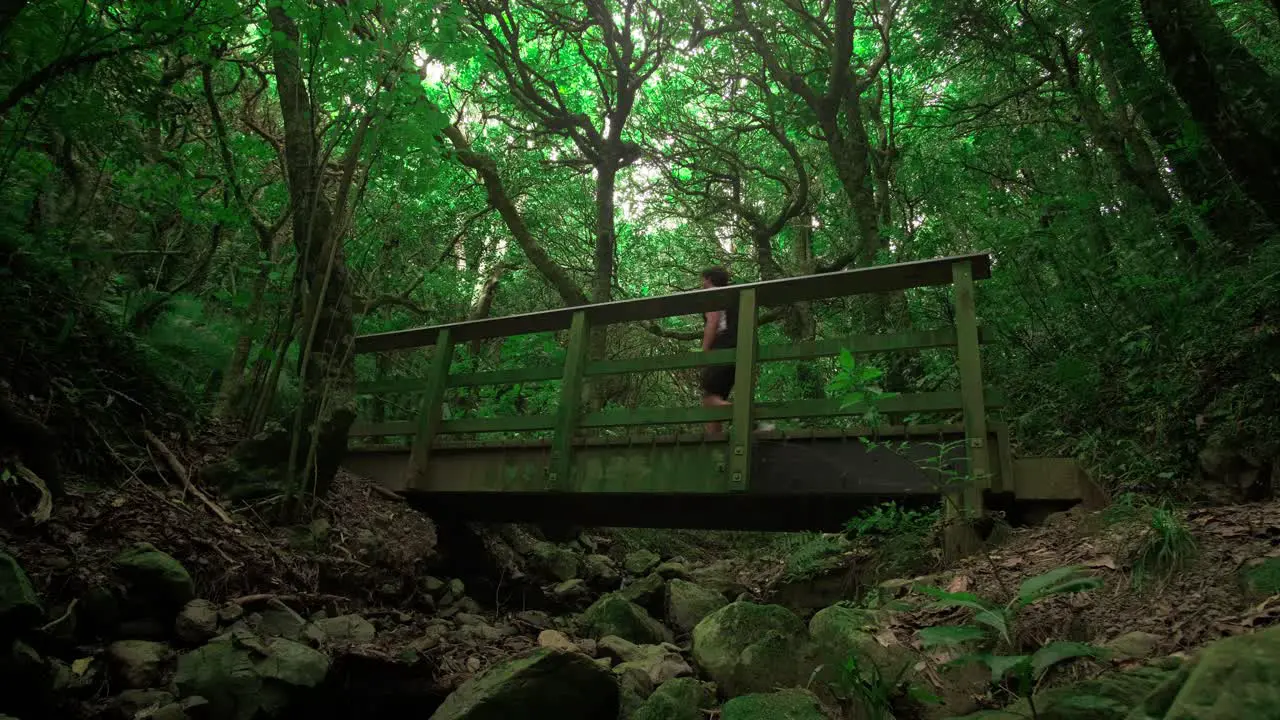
[{"x": 766, "y": 427}]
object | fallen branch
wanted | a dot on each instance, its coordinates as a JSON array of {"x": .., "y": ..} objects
[
  {"x": 178, "y": 469},
  {"x": 388, "y": 494}
]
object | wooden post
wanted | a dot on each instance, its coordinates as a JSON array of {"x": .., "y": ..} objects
[
  {"x": 966, "y": 504},
  {"x": 559, "y": 474},
  {"x": 744, "y": 384},
  {"x": 429, "y": 411}
]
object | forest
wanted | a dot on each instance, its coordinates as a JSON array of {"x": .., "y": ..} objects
[
  {"x": 245, "y": 187},
  {"x": 204, "y": 203}
]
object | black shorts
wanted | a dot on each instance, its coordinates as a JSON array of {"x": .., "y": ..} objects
[{"x": 717, "y": 380}]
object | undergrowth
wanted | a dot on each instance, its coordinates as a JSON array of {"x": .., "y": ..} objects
[{"x": 1162, "y": 545}]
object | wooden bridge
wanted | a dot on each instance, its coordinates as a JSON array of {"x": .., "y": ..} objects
[{"x": 794, "y": 479}]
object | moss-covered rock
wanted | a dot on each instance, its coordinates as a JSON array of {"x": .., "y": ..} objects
[
  {"x": 641, "y": 562},
  {"x": 600, "y": 572},
  {"x": 138, "y": 663},
  {"x": 198, "y": 621},
  {"x": 745, "y": 648},
  {"x": 839, "y": 632},
  {"x": 683, "y": 698},
  {"x": 245, "y": 678},
  {"x": 546, "y": 683},
  {"x": 155, "y": 576},
  {"x": 19, "y": 605},
  {"x": 556, "y": 561},
  {"x": 688, "y": 603},
  {"x": 783, "y": 705},
  {"x": 1237, "y": 677},
  {"x": 1109, "y": 697},
  {"x": 649, "y": 592},
  {"x": 615, "y": 615}
]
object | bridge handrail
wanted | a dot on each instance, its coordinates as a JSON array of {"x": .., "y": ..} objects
[{"x": 878, "y": 279}]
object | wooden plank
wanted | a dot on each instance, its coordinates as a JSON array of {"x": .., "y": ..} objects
[
  {"x": 744, "y": 370},
  {"x": 383, "y": 429},
  {"x": 859, "y": 344},
  {"x": 883, "y": 278},
  {"x": 559, "y": 474},
  {"x": 939, "y": 401},
  {"x": 429, "y": 410},
  {"x": 966, "y": 503},
  {"x": 540, "y": 373},
  {"x": 515, "y": 423},
  {"x": 392, "y": 386}
]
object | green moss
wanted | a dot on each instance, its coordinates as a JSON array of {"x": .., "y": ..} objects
[
  {"x": 784, "y": 705},
  {"x": 747, "y": 647},
  {"x": 1264, "y": 578},
  {"x": 615, "y": 615},
  {"x": 679, "y": 699}
]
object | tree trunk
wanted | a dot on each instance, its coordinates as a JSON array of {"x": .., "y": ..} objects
[
  {"x": 1228, "y": 92},
  {"x": 328, "y": 375},
  {"x": 1196, "y": 166}
]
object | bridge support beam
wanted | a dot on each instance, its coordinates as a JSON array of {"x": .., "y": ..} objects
[
  {"x": 745, "y": 381},
  {"x": 429, "y": 411},
  {"x": 559, "y": 474},
  {"x": 964, "y": 502}
]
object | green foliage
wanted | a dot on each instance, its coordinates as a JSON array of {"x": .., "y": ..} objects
[
  {"x": 901, "y": 537},
  {"x": 1263, "y": 578},
  {"x": 992, "y": 637},
  {"x": 865, "y": 686},
  {"x": 1162, "y": 544},
  {"x": 858, "y": 384},
  {"x": 810, "y": 554}
]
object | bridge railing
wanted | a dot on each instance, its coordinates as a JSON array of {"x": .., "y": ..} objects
[{"x": 568, "y": 420}]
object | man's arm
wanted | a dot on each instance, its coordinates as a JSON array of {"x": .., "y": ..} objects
[{"x": 709, "y": 331}]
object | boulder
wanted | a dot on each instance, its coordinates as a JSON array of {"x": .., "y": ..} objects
[
  {"x": 688, "y": 603},
  {"x": 783, "y": 705},
  {"x": 672, "y": 569},
  {"x": 557, "y": 562},
  {"x": 1236, "y": 677},
  {"x": 243, "y": 677},
  {"x": 720, "y": 576},
  {"x": 546, "y": 683},
  {"x": 683, "y": 698},
  {"x": 19, "y": 605},
  {"x": 839, "y": 632},
  {"x": 570, "y": 591},
  {"x": 1136, "y": 645},
  {"x": 641, "y": 562},
  {"x": 347, "y": 630},
  {"x": 599, "y": 571},
  {"x": 614, "y": 615},
  {"x": 155, "y": 576},
  {"x": 745, "y": 648},
  {"x": 1112, "y": 696},
  {"x": 132, "y": 702},
  {"x": 198, "y": 621},
  {"x": 556, "y": 640},
  {"x": 138, "y": 663},
  {"x": 278, "y": 622},
  {"x": 649, "y": 592},
  {"x": 659, "y": 663}
]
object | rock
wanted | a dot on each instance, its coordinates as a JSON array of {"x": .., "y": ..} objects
[
  {"x": 599, "y": 571},
  {"x": 1136, "y": 645},
  {"x": 745, "y": 647},
  {"x": 557, "y": 562},
  {"x": 671, "y": 569},
  {"x": 230, "y": 613},
  {"x": 98, "y": 612},
  {"x": 535, "y": 618},
  {"x": 20, "y": 607},
  {"x": 649, "y": 592},
  {"x": 546, "y": 683},
  {"x": 277, "y": 622},
  {"x": 783, "y": 705},
  {"x": 433, "y": 585},
  {"x": 683, "y": 698},
  {"x": 138, "y": 663},
  {"x": 1236, "y": 677},
  {"x": 618, "y": 648},
  {"x": 347, "y": 630},
  {"x": 839, "y": 632},
  {"x": 688, "y": 603},
  {"x": 634, "y": 687},
  {"x": 134, "y": 701},
  {"x": 155, "y": 575},
  {"x": 457, "y": 588},
  {"x": 658, "y": 663},
  {"x": 721, "y": 577},
  {"x": 197, "y": 622},
  {"x": 556, "y": 640},
  {"x": 242, "y": 676},
  {"x": 570, "y": 590},
  {"x": 1112, "y": 696},
  {"x": 614, "y": 615},
  {"x": 641, "y": 562}
]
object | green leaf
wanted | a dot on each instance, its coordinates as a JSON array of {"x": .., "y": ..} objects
[
  {"x": 1059, "y": 581},
  {"x": 959, "y": 599},
  {"x": 1002, "y": 665},
  {"x": 1056, "y": 652},
  {"x": 996, "y": 620},
  {"x": 943, "y": 635}
]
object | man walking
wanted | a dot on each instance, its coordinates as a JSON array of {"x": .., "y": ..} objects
[{"x": 719, "y": 332}]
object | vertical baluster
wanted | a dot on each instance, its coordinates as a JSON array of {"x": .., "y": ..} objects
[
  {"x": 430, "y": 410},
  {"x": 974, "y": 408},
  {"x": 559, "y": 474},
  {"x": 744, "y": 388}
]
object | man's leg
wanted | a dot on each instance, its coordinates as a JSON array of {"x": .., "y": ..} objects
[{"x": 716, "y": 427}]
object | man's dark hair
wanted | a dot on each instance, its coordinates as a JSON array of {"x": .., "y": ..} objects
[{"x": 718, "y": 276}]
